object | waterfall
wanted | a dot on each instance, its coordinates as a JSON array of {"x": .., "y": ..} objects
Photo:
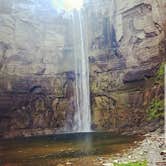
[{"x": 82, "y": 119}]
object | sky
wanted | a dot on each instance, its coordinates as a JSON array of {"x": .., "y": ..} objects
[{"x": 68, "y": 4}]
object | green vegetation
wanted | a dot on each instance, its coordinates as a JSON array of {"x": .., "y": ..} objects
[
  {"x": 160, "y": 74},
  {"x": 143, "y": 163},
  {"x": 156, "y": 109}
]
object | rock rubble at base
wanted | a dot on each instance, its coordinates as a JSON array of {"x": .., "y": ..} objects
[{"x": 150, "y": 149}]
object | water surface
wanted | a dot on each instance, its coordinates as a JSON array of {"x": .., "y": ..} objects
[{"x": 66, "y": 149}]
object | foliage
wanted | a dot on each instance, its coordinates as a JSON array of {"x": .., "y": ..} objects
[
  {"x": 143, "y": 163},
  {"x": 156, "y": 109},
  {"x": 160, "y": 73}
]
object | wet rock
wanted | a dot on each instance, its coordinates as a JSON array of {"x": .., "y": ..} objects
[
  {"x": 70, "y": 75},
  {"x": 116, "y": 161},
  {"x": 108, "y": 164},
  {"x": 60, "y": 165},
  {"x": 68, "y": 163},
  {"x": 137, "y": 75},
  {"x": 37, "y": 106}
]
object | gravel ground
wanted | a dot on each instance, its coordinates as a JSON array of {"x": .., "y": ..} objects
[{"x": 152, "y": 149}]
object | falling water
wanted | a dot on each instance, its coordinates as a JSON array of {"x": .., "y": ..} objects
[
  {"x": 83, "y": 114},
  {"x": 82, "y": 119}
]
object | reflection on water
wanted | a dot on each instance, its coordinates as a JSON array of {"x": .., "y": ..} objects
[{"x": 52, "y": 150}]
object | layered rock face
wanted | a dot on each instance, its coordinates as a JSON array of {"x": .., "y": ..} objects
[
  {"x": 125, "y": 42},
  {"x": 126, "y": 47},
  {"x": 36, "y": 69}
]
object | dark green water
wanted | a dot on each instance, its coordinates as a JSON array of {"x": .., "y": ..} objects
[{"x": 65, "y": 149}]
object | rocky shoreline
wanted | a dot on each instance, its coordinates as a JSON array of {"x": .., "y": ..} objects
[{"x": 150, "y": 149}]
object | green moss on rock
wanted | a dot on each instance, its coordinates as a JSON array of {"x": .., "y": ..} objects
[{"x": 143, "y": 163}]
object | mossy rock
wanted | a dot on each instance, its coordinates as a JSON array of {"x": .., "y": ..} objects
[{"x": 142, "y": 163}]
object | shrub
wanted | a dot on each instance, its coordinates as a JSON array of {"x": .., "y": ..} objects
[
  {"x": 156, "y": 109},
  {"x": 160, "y": 73}
]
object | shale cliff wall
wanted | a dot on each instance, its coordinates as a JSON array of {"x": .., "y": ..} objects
[
  {"x": 125, "y": 41},
  {"x": 127, "y": 44},
  {"x": 36, "y": 69}
]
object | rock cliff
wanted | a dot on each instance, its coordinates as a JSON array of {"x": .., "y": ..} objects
[
  {"x": 36, "y": 68},
  {"x": 126, "y": 47},
  {"x": 125, "y": 43}
]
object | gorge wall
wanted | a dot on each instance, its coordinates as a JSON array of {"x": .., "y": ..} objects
[
  {"x": 36, "y": 69},
  {"x": 126, "y": 45}
]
